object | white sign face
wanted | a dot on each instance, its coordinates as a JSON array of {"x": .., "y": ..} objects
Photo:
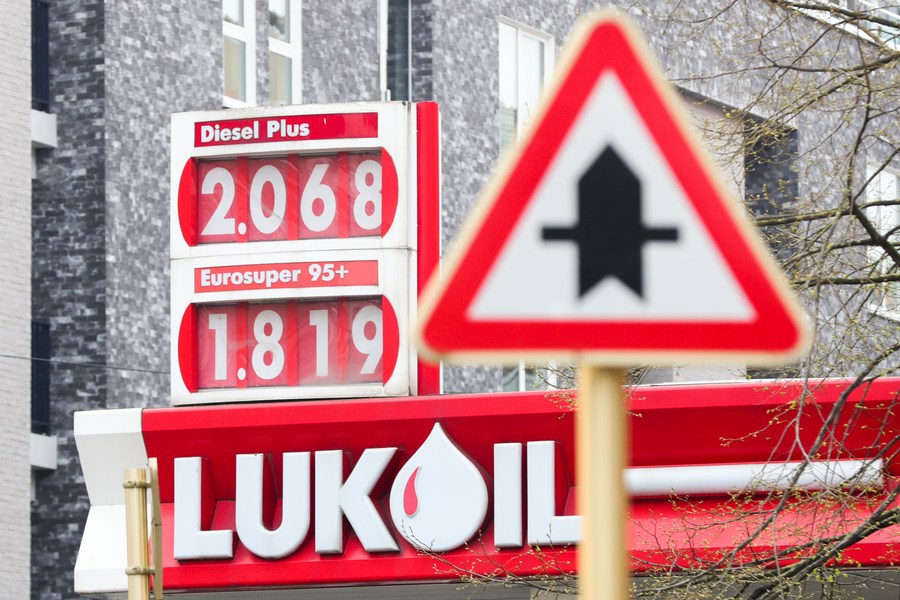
[
  {"x": 685, "y": 278},
  {"x": 293, "y": 259}
]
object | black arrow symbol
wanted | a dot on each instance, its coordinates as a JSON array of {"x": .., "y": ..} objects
[{"x": 609, "y": 232}]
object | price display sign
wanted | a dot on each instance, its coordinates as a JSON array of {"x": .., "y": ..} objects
[
  {"x": 291, "y": 343},
  {"x": 294, "y": 262},
  {"x": 294, "y": 197}
]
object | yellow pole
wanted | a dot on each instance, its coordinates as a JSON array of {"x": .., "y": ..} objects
[
  {"x": 602, "y": 446},
  {"x": 136, "y": 533},
  {"x": 156, "y": 531}
]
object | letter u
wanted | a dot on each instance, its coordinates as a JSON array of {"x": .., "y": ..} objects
[{"x": 295, "y": 505}]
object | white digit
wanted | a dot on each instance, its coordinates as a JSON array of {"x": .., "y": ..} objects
[
  {"x": 314, "y": 190},
  {"x": 327, "y": 272},
  {"x": 319, "y": 320},
  {"x": 218, "y": 324},
  {"x": 314, "y": 271},
  {"x": 219, "y": 223},
  {"x": 268, "y": 174},
  {"x": 267, "y": 343},
  {"x": 369, "y": 193},
  {"x": 371, "y": 347}
]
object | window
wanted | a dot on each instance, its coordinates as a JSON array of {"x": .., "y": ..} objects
[
  {"x": 40, "y": 55},
  {"x": 526, "y": 61},
  {"x": 871, "y": 20},
  {"x": 40, "y": 377},
  {"x": 885, "y": 216},
  {"x": 395, "y": 51},
  {"x": 527, "y": 377},
  {"x": 284, "y": 52},
  {"x": 239, "y": 52}
]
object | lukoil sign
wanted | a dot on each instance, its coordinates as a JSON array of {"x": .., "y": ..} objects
[
  {"x": 325, "y": 493},
  {"x": 438, "y": 501}
]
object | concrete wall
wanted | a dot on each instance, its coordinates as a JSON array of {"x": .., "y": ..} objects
[{"x": 15, "y": 310}]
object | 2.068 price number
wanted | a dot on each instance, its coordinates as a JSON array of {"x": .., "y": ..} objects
[
  {"x": 294, "y": 197},
  {"x": 290, "y": 343}
]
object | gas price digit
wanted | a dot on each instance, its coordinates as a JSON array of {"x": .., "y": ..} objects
[
  {"x": 288, "y": 198},
  {"x": 290, "y": 343}
]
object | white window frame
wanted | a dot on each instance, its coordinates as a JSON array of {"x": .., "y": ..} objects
[
  {"x": 552, "y": 378},
  {"x": 884, "y": 218},
  {"x": 875, "y": 35},
  {"x": 522, "y": 32},
  {"x": 247, "y": 35},
  {"x": 523, "y": 117},
  {"x": 292, "y": 50}
]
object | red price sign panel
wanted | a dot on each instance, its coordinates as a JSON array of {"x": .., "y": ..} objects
[
  {"x": 294, "y": 343},
  {"x": 298, "y": 197}
]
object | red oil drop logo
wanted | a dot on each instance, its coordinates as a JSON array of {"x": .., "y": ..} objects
[{"x": 439, "y": 498}]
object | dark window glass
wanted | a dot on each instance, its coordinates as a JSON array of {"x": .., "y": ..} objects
[
  {"x": 40, "y": 55},
  {"x": 40, "y": 377}
]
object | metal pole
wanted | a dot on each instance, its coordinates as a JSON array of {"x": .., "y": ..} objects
[
  {"x": 135, "y": 485},
  {"x": 602, "y": 446}
]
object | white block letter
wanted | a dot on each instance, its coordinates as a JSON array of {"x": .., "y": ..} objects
[
  {"x": 294, "y": 505},
  {"x": 350, "y": 498},
  {"x": 189, "y": 541},
  {"x": 544, "y": 526},
  {"x": 508, "y": 495}
]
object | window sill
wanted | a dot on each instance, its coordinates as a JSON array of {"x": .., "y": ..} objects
[
  {"x": 43, "y": 452},
  {"x": 234, "y": 103},
  {"x": 885, "y": 313},
  {"x": 43, "y": 129}
]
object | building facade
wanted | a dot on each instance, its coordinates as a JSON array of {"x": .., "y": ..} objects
[
  {"x": 15, "y": 327},
  {"x": 99, "y": 222}
]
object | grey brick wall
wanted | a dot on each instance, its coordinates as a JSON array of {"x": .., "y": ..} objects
[
  {"x": 340, "y": 51},
  {"x": 177, "y": 68},
  {"x": 15, "y": 310},
  {"x": 101, "y": 210},
  {"x": 69, "y": 222},
  {"x": 420, "y": 50},
  {"x": 101, "y": 221}
]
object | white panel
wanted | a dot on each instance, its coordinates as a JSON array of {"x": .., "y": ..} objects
[
  {"x": 43, "y": 451},
  {"x": 101, "y": 562},
  {"x": 728, "y": 478},
  {"x": 43, "y": 129},
  {"x": 109, "y": 442}
]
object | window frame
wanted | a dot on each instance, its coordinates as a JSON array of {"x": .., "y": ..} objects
[
  {"x": 524, "y": 32},
  {"x": 549, "y": 380},
  {"x": 245, "y": 33},
  {"x": 883, "y": 304},
  {"x": 292, "y": 50},
  {"x": 874, "y": 35}
]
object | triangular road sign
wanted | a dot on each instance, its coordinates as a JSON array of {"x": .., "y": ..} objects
[{"x": 607, "y": 236}]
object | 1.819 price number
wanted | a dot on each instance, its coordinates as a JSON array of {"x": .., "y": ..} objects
[
  {"x": 290, "y": 343},
  {"x": 294, "y": 197}
]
